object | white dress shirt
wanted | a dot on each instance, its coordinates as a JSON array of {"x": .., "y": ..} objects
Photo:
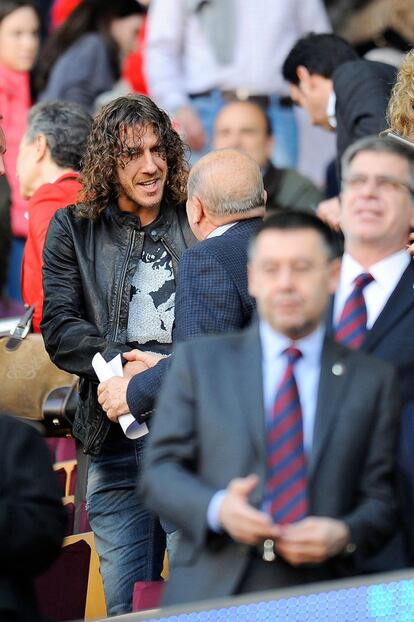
[
  {"x": 307, "y": 373},
  {"x": 216, "y": 233},
  {"x": 179, "y": 59},
  {"x": 386, "y": 273},
  {"x": 331, "y": 110}
]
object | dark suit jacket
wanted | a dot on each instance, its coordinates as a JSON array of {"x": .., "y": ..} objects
[
  {"x": 391, "y": 339},
  {"x": 210, "y": 428},
  {"x": 211, "y": 297},
  {"x": 362, "y": 90},
  {"x": 32, "y": 517},
  {"x": 286, "y": 188}
]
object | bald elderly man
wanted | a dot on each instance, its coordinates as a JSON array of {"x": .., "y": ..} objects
[
  {"x": 226, "y": 202},
  {"x": 244, "y": 125}
]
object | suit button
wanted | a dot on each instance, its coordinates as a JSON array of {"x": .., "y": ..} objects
[{"x": 350, "y": 548}]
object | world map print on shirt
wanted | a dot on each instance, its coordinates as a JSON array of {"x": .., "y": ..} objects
[{"x": 151, "y": 306}]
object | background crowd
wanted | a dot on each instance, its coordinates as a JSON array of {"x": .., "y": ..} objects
[{"x": 176, "y": 169}]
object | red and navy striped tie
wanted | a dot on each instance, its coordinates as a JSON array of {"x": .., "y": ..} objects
[
  {"x": 352, "y": 326},
  {"x": 286, "y": 489}
]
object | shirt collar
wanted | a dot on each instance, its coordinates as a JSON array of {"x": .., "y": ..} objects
[
  {"x": 386, "y": 272},
  {"x": 222, "y": 229},
  {"x": 330, "y": 110},
  {"x": 274, "y": 343}
]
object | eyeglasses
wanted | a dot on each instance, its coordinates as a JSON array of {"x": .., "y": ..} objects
[{"x": 383, "y": 183}]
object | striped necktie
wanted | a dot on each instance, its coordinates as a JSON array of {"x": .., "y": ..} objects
[
  {"x": 286, "y": 489},
  {"x": 352, "y": 326}
]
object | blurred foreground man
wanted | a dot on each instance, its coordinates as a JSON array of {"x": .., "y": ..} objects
[
  {"x": 32, "y": 518},
  {"x": 109, "y": 281},
  {"x": 262, "y": 451}
]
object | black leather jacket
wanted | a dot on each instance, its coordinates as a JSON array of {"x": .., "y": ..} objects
[{"x": 87, "y": 273}]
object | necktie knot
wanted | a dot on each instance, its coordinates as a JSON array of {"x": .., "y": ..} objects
[
  {"x": 293, "y": 354},
  {"x": 352, "y": 326},
  {"x": 362, "y": 280}
]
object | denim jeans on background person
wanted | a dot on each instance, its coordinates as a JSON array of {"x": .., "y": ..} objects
[
  {"x": 285, "y": 131},
  {"x": 129, "y": 540},
  {"x": 13, "y": 285},
  {"x": 286, "y": 152}
]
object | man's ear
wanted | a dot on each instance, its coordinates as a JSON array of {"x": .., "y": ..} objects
[
  {"x": 302, "y": 74},
  {"x": 197, "y": 210},
  {"x": 41, "y": 147}
]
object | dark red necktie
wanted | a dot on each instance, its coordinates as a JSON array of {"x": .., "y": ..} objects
[
  {"x": 352, "y": 326},
  {"x": 286, "y": 488}
]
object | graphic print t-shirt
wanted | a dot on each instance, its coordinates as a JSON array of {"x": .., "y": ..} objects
[{"x": 151, "y": 306}]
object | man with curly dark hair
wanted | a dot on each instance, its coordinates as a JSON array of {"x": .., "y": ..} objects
[{"x": 109, "y": 280}]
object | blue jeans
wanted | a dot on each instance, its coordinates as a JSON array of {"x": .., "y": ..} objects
[
  {"x": 13, "y": 285},
  {"x": 129, "y": 539}
]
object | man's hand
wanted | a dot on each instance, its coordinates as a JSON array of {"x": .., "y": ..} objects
[
  {"x": 240, "y": 519},
  {"x": 312, "y": 540},
  {"x": 147, "y": 359},
  {"x": 190, "y": 127},
  {"x": 112, "y": 397},
  {"x": 329, "y": 211},
  {"x": 133, "y": 368}
]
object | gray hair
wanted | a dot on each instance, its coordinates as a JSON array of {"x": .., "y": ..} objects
[
  {"x": 66, "y": 127},
  {"x": 378, "y": 144},
  {"x": 245, "y": 194}
]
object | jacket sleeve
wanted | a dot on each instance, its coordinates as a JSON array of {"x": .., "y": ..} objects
[
  {"x": 82, "y": 73},
  {"x": 144, "y": 387},
  {"x": 70, "y": 339},
  {"x": 32, "y": 517},
  {"x": 167, "y": 22},
  {"x": 32, "y": 287},
  {"x": 362, "y": 97},
  {"x": 171, "y": 455}
]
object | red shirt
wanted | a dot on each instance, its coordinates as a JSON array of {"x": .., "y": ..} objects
[
  {"x": 14, "y": 105},
  {"x": 41, "y": 207}
]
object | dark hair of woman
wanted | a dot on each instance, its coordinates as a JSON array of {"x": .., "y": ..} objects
[
  {"x": 88, "y": 16},
  {"x": 8, "y": 6}
]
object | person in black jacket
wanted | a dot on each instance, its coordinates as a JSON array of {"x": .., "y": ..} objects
[
  {"x": 109, "y": 281},
  {"x": 226, "y": 202},
  {"x": 32, "y": 518},
  {"x": 340, "y": 92}
]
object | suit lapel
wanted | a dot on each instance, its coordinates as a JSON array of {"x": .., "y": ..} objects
[
  {"x": 400, "y": 301},
  {"x": 250, "y": 381},
  {"x": 333, "y": 380},
  {"x": 329, "y": 317}
]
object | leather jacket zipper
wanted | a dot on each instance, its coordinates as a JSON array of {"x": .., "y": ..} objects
[
  {"x": 100, "y": 425},
  {"x": 170, "y": 249},
  {"x": 121, "y": 287}
]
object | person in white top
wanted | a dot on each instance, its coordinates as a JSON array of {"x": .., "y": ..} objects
[
  {"x": 377, "y": 214},
  {"x": 199, "y": 52}
]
